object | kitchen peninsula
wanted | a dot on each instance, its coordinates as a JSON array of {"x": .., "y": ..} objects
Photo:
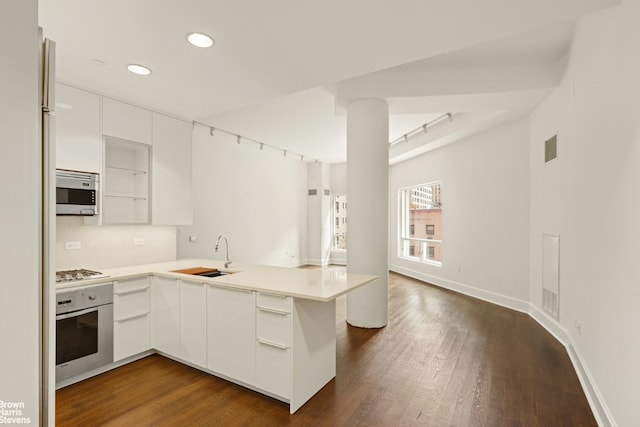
[{"x": 270, "y": 329}]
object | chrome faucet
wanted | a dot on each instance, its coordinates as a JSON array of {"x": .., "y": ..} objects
[{"x": 227, "y": 261}]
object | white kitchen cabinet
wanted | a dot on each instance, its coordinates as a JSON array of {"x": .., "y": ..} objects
[
  {"x": 78, "y": 140},
  {"x": 131, "y": 317},
  {"x": 165, "y": 308},
  {"x": 172, "y": 199},
  {"x": 231, "y": 333},
  {"x": 125, "y": 198},
  {"x": 126, "y": 121},
  {"x": 273, "y": 344},
  {"x": 193, "y": 323},
  {"x": 273, "y": 368}
]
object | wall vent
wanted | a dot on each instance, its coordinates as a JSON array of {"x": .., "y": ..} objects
[
  {"x": 327, "y": 192},
  {"x": 313, "y": 192},
  {"x": 551, "y": 148},
  {"x": 551, "y": 274}
]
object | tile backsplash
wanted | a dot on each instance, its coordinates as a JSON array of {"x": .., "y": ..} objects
[{"x": 111, "y": 246}]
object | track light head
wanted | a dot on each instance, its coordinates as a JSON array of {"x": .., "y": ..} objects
[
  {"x": 238, "y": 138},
  {"x": 211, "y": 130}
]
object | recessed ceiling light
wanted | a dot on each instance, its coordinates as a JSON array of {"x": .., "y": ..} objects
[
  {"x": 139, "y": 69},
  {"x": 200, "y": 39}
]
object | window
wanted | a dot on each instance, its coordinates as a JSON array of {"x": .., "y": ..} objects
[
  {"x": 421, "y": 223},
  {"x": 340, "y": 220}
]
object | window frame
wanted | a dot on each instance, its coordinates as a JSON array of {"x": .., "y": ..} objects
[
  {"x": 405, "y": 239},
  {"x": 335, "y": 236}
]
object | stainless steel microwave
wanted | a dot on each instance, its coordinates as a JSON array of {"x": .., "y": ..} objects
[{"x": 76, "y": 192}]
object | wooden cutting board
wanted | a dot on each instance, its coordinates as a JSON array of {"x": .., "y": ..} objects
[{"x": 196, "y": 270}]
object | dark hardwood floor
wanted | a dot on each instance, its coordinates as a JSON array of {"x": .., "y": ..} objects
[{"x": 443, "y": 360}]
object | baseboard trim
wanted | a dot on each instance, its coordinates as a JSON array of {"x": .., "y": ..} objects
[
  {"x": 488, "y": 296},
  {"x": 601, "y": 412}
]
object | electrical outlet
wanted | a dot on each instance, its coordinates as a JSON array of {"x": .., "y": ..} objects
[
  {"x": 138, "y": 241},
  {"x": 72, "y": 245},
  {"x": 192, "y": 238}
]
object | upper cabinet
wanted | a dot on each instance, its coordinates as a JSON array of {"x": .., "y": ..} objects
[
  {"x": 172, "y": 199},
  {"x": 126, "y": 121},
  {"x": 78, "y": 139},
  {"x": 125, "y": 182},
  {"x": 143, "y": 158}
]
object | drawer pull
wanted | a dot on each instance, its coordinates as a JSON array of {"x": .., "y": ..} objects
[
  {"x": 215, "y": 285},
  {"x": 272, "y": 344},
  {"x": 272, "y": 310},
  {"x": 135, "y": 316},
  {"x": 274, "y": 295},
  {"x": 131, "y": 291}
]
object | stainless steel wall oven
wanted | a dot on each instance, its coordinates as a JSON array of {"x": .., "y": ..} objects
[{"x": 84, "y": 330}]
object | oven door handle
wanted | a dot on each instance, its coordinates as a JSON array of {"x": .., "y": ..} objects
[{"x": 76, "y": 313}]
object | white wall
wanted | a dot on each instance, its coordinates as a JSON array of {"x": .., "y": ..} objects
[
  {"x": 598, "y": 110},
  {"x": 19, "y": 165},
  {"x": 111, "y": 245},
  {"x": 256, "y": 198},
  {"x": 485, "y": 251}
]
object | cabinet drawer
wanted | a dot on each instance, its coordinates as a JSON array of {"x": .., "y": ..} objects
[
  {"x": 125, "y": 286},
  {"x": 133, "y": 303},
  {"x": 131, "y": 336},
  {"x": 273, "y": 369},
  {"x": 274, "y": 326},
  {"x": 275, "y": 302}
]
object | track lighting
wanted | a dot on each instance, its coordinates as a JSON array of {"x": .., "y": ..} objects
[
  {"x": 424, "y": 127},
  {"x": 240, "y": 138}
]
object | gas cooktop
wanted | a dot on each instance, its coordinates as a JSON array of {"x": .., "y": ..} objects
[{"x": 80, "y": 274}]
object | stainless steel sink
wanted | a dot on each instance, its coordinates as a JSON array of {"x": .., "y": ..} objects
[{"x": 213, "y": 273}]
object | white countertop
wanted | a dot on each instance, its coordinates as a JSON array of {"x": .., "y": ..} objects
[{"x": 316, "y": 284}]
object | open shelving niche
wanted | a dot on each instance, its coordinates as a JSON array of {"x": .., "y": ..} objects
[{"x": 126, "y": 182}]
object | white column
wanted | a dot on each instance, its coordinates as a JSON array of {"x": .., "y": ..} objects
[
  {"x": 368, "y": 209},
  {"x": 318, "y": 214}
]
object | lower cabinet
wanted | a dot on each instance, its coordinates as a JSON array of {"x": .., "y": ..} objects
[
  {"x": 273, "y": 344},
  {"x": 131, "y": 317},
  {"x": 231, "y": 332},
  {"x": 166, "y": 315},
  {"x": 273, "y": 368},
  {"x": 193, "y": 323}
]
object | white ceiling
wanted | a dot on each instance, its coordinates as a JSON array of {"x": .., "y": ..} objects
[{"x": 267, "y": 75}]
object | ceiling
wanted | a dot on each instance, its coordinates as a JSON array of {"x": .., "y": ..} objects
[{"x": 283, "y": 71}]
